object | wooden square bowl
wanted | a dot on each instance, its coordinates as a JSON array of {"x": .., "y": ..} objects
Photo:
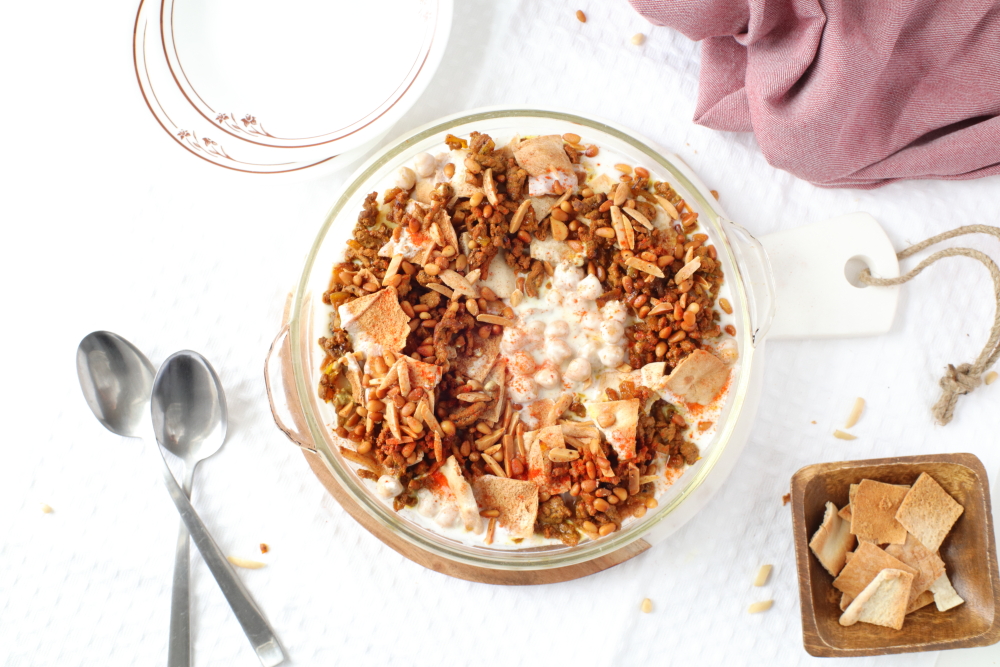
[{"x": 969, "y": 553}]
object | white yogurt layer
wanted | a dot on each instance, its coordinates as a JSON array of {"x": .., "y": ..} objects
[{"x": 563, "y": 342}]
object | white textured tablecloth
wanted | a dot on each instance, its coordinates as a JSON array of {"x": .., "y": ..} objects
[{"x": 109, "y": 225}]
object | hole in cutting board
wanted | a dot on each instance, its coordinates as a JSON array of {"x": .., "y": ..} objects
[{"x": 853, "y": 268}]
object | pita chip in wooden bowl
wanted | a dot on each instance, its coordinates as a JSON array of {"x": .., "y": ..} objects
[{"x": 872, "y": 539}]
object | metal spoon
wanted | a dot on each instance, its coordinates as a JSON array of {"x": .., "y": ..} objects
[
  {"x": 117, "y": 381},
  {"x": 193, "y": 420}
]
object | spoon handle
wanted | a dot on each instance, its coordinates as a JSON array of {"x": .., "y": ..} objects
[
  {"x": 247, "y": 613},
  {"x": 179, "y": 644}
]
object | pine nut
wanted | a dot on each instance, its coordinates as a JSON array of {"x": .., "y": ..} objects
[
  {"x": 569, "y": 137},
  {"x": 601, "y": 505},
  {"x": 607, "y": 529},
  {"x": 559, "y": 229}
]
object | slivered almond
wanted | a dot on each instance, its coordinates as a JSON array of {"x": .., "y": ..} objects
[
  {"x": 852, "y": 419},
  {"x": 646, "y": 479},
  {"x": 457, "y": 282},
  {"x": 390, "y": 378},
  {"x": 404, "y": 376},
  {"x": 619, "y": 226},
  {"x": 508, "y": 452},
  {"x": 426, "y": 415},
  {"x": 662, "y": 307},
  {"x": 492, "y": 463},
  {"x": 441, "y": 289},
  {"x": 622, "y": 193},
  {"x": 438, "y": 447},
  {"x": 495, "y": 319},
  {"x": 515, "y": 418},
  {"x": 490, "y": 187},
  {"x": 245, "y": 563},
  {"x": 687, "y": 270},
  {"x": 758, "y": 607},
  {"x": 651, "y": 269},
  {"x": 474, "y": 397},
  {"x": 488, "y": 441},
  {"x": 762, "y": 575},
  {"x": 629, "y": 232},
  {"x": 841, "y": 435},
  {"x": 990, "y": 378},
  {"x": 393, "y": 268},
  {"x": 560, "y": 406},
  {"x": 392, "y": 418},
  {"x": 473, "y": 276},
  {"x": 639, "y": 217},
  {"x": 515, "y": 222},
  {"x": 563, "y": 455},
  {"x": 668, "y": 207},
  {"x": 490, "y": 531},
  {"x": 493, "y": 449}
]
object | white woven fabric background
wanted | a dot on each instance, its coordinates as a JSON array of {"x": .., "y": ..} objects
[{"x": 109, "y": 225}]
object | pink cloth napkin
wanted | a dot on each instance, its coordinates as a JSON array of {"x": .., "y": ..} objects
[{"x": 850, "y": 93}]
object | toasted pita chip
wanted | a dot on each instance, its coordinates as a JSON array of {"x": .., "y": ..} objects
[
  {"x": 868, "y": 561},
  {"x": 620, "y": 434},
  {"x": 873, "y": 512},
  {"x": 423, "y": 375},
  {"x": 699, "y": 378},
  {"x": 929, "y": 512},
  {"x": 539, "y": 155},
  {"x": 575, "y": 429},
  {"x": 845, "y": 513},
  {"x": 832, "y": 541},
  {"x": 652, "y": 376},
  {"x": 555, "y": 252},
  {"x": 538, "y": 444},
  {"x": 945, "y": 595},
  {"x": 516, "y": 500},
  {"x": 478, "y": 367},
  {"x": 928, "y": 564},
  {"x": 883, "y": 602},
  {"x": 920, "y": 601},
  {"x": 845, "y": 601},
  {"x": 467, "y": 507},
  {"x": 375, "y": 322}
]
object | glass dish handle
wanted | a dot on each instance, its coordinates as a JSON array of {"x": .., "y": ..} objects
[
  {"x": 282, "y": 393},
  {"x": 755, "y": 268}
]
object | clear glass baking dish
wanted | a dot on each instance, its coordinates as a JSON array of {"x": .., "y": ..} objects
[{"x": 295, "y": 399}]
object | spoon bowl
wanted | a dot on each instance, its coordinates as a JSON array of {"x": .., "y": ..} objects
[
  {"x": 189, "y": 408},
  {"x": 116, "y": 379}
]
